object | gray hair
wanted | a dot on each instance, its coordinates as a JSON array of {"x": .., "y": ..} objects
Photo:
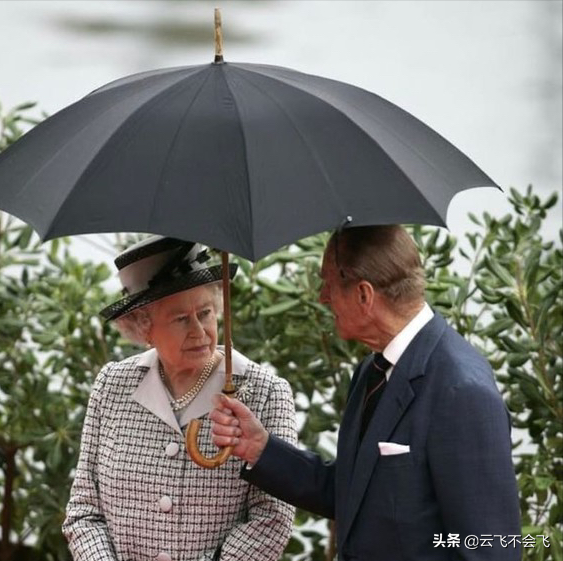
[
  {"x": 136, "y": 325},
  {"x": 385, "y": 256}
]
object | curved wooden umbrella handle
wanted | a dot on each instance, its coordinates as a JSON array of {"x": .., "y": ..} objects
[{"x": 201, "y": 460}]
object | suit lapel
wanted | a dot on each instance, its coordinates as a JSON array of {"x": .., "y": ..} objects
[
  {"x": 357, "y": 469},
  {"x": 391, "y": 407},
  {"x": 350, "y": 428}
]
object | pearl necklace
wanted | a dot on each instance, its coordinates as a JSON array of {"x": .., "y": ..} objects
[{"x": 189, "y": 396}]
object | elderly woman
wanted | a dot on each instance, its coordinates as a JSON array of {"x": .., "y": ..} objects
[{"x": 137, "y": 496}]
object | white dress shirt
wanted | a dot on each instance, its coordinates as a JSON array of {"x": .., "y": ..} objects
[{"x": 393, "y": 351}]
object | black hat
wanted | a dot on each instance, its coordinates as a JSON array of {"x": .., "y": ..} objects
[{"x": 158, "y": 267}]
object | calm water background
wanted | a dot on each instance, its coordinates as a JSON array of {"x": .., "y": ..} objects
[{"x": 486, "y": 74}]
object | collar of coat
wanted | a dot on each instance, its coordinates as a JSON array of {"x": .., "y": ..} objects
[{"x": 152, "y": 395}]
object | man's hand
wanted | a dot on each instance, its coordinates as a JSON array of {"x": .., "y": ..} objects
[{"x": 235, "y": 425}]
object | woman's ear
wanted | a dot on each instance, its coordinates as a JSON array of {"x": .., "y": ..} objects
[{"x": 144, "y": 323}]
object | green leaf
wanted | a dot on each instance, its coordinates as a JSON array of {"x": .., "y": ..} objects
[
  {"x": 25, "y": 237},
  {"x": 279, "y": 308},
  {"x": 279, "y": 287},
  {"x": 531, "y": 267},
  {"x": 515, "y": 313},
  {"x": 498, "y": 326},
  {"x": 45, "y": 338},
  {"x": 24, "y": 106},
  {"x": 542, "y": 483},
  {"x": 518, "y": 359},
  {"x": 499, "y": 271}
]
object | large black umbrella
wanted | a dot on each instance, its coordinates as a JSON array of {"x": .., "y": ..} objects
[{"x": 242, "y": 157}]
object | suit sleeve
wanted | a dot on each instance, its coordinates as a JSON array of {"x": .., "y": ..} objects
[
  {"x": 85, "y": 525},
  {"x": 299, "y": 477},
  {"x": 267, "y": 529},
  {"x": 296, "y": 476},
  {"x": 469, "y": 451}
]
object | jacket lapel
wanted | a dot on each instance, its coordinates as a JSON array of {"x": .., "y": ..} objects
[
  {"x": 357, "y": 469},
  {"x": 391, "y": 407},
  {"x": 349, "y": 431},
  {"x": 151, "y": 395},
  {"x": 150, "y": 392}
]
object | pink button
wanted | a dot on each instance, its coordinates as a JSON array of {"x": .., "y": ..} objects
[
  {"x": 165, "y": 504},
  {"x": 172, "y": 449}
]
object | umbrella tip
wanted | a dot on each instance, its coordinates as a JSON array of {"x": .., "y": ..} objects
[{"x": 218, "y": 38}]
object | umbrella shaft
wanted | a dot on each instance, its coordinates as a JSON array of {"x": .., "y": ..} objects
[{"x": 227, "y": 321}]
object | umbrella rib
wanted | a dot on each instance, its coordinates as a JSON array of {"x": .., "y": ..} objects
[
  {"x": 244, "y": 159},
  {"x": 360, "y": 128},
  {"x": 390, "y": 131},
  {"x": 381, "y": 124},
  {"x": 48, "y": 162},
  {"x": 102, "y": 147},
  {"x": 170, "y": 151},
  {"x": 407, "y": 145},
  {"x": 86, "y": 167},
  {"x": 399, "y": 139},
  {"x": 400, "y": 169},
  {"x": 303, "y": 137}
]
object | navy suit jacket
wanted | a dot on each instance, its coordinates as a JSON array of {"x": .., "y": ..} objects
[{"x": 458, "y": 479}]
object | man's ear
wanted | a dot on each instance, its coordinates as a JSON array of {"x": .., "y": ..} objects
[{"x": 365, "y": 294}]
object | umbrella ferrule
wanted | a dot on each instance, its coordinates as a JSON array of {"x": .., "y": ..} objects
[{"x": 218, "y": 38}]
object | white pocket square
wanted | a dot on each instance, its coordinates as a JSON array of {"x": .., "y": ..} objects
[{"x": 393, "y": 449}]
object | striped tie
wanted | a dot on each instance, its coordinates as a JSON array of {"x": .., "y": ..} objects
[{"x": 375, "y": 385}]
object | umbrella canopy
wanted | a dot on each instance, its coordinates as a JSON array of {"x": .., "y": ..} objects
[{"x": 241, "y": 157}]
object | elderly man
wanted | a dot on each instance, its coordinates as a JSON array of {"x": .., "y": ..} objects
[{"x": 423, "y": 468}]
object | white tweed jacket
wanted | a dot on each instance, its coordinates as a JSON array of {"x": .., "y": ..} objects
[{"x": 137, "y": 496}]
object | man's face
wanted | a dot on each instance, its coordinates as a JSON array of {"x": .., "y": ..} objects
[{"x": 340, "y": 299}]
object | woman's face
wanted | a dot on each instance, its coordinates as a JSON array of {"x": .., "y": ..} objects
[{"x": 184, "y": 329}]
